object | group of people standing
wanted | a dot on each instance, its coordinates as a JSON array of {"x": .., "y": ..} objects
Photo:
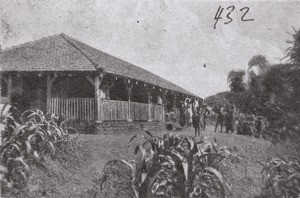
[
  {"x": 225, "y": 117},
  {"x": 199, "y": 118},
  {"x": 196, "y": 115}
]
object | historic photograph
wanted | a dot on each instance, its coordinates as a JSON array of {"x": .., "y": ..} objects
[{"x": 149, "y": 98}]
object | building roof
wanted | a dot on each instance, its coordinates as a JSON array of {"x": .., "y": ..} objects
[{"x": 64, "y": 53}]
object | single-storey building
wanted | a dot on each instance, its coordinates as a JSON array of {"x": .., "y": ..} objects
[{"x": 59, "y": 74}]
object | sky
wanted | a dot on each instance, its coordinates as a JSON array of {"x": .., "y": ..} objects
[{"x": 171, "y": 38}]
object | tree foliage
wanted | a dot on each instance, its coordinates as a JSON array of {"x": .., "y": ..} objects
[
  {"x": 236, "y": 81},
  {"x": 260, "y": 61},
  {"x": 271, "y": 92},
  {"x": 293, "y": 52}
]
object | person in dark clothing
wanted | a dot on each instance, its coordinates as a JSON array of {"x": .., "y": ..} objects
[
  {"x": 229, "y": 120},
  {"x": 220, "y": 118},
  {"x": 196, "y": 122},
  {"x": 200, "y": 112},
  {"x": 205, "y": 115}
]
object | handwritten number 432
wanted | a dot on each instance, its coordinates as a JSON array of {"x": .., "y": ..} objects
[{"x": 230, "y": 9}]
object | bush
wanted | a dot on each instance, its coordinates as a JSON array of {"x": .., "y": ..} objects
[
  {"x": 246, "y": 124},
  {"x": 281, "y": 178},
  {"x": 168, "y": 166},
  {"x": 28, "y": 142}
]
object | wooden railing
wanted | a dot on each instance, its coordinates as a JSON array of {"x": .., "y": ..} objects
[
  {"x": 139, "y": 111},
  {"x": 112, "y": 110},
  {"x": 82, "y": 109},
  {"x": 118, "y": 110},
  {"x": 157, "y": 112}
]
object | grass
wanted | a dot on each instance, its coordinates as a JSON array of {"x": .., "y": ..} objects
[{"x": 244, "y": 177}]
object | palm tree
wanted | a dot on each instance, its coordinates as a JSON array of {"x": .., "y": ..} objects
[
  {"x": 260, "y": 62},
  {"x": 236, "y": 81},
  {"x": 238, "y": 92},
  {"x": 255, "y": 80},
  {"x": 293, "y": 52}
]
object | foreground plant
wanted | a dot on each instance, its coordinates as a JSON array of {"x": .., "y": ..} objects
[
  {"x": 282, "y": 178},
  {"x": 171, "y": 166},
  {"x": 28, "y": 142}
]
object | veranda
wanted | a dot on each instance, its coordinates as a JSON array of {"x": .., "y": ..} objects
[{"x": 88, "y": 96}]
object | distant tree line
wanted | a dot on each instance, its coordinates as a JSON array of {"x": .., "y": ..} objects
[{"x": 271, "y": 91}]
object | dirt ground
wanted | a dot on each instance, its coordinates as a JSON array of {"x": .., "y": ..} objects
[{"x": 76, "y": 180}]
